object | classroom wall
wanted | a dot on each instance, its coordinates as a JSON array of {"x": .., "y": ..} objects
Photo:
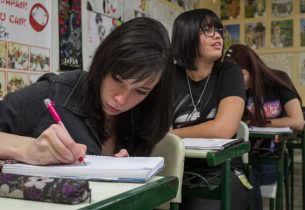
[{"x": 291, "y": 58}]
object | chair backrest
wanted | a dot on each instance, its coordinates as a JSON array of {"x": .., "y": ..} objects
[
  {"x": 172, "y": 149},
  {"x": 243, "y": 132}
]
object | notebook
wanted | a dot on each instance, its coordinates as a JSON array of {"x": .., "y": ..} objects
[
  {"x": 254, "y": 129},
  {"x": 210, "y": 144},
  {"x": 106, "y": 168}
]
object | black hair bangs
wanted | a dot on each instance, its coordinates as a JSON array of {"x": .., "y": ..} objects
[{"x": 211, "y": 20}]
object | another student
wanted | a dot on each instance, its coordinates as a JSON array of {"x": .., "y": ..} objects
[
  {"x": 209, "y": 97},
  {"x": 122, "y": 106},
  {"x": 272, "y": 101}
]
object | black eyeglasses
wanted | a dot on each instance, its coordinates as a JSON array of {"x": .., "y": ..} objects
[{"x": 209, "y": 31}]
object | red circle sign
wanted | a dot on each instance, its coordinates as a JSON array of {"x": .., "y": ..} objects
[{"x": 39, "y": 17}]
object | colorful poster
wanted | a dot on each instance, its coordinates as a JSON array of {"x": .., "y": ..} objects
[
  {"x": 2, "y": 84},
  {"x": 16, "y": 81},
  {"x": 282, "y": 8},
  {"x": 70, "y": 35},
  {"x": 3, "y": 54},
  {"x": 39, "y": 59},
  {"x": 232, "y": 34},
  {"x": 229, "y": 9},
  {"x": 302, "y": 68},
  {"x": 255, "y": 8},
  {"x": 24, "y": 25},
  {"x": 99, "y": 26},
  {"x": 111, "y": 8},
  {"x": 302, "y": 6},
  {"x": 282, "y": 34},
  {"x": 134, "y": 8},
  {"x": 302, "y": 32},
  {"x": 255, "y": 35}
]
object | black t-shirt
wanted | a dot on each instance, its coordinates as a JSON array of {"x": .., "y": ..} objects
[
  {"x": 275, "y": 97},
  {"x": 225, "y": 80}
]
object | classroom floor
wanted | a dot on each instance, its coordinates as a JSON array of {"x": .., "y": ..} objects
[{"x": 297, "y": 187}]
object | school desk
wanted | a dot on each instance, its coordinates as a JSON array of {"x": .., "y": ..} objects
[
  {"x": 111, "y": 196},
  {"x": 216, "y": 158}
]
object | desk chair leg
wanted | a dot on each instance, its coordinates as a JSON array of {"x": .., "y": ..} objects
[
  {"x": 291, "y": 170},
  {"x": 280, "y": 181},
  {"x": 303, "y": 171},
  {"x": 286, "y": 179},
  {"x": 225, "y": 194}
]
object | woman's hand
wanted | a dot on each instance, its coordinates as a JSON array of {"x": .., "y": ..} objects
[
  {"x": 54, "y": 145},
  {"x": 122, "y": 153}
]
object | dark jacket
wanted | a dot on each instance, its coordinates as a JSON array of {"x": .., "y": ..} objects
[{"x": 24, "y": 112}]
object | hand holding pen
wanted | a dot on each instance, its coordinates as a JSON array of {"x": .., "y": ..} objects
[{"x": 50, "y": 106}]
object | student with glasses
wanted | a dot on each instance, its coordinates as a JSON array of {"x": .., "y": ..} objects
[{"x": 209, "y": 98}]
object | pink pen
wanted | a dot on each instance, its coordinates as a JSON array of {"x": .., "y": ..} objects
[{"x": 50, "y": 106}]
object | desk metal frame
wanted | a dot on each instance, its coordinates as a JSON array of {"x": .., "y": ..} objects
[
  {"x": 216, "y": 158},
  {"x": 279, "y": 161}
]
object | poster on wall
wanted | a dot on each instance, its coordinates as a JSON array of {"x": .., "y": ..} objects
[
  {"x": 111, "y": 8},
  {"x": 255, "y": 8},
  {"x": 302, "y": 68},
  {"x": 302, "y": 6},
  {"x": 278, "y": 61},
  {"x": 99, "y": 26},
  {"x": 229, "y": 9},
  {"x": 255, "y": 35},
  {"x": 282, "y": 8},
  {"x": 232, "y": 34},
  {"x": 70, "y": 35},
  {"x": 302, "y": 32},
  {"x": 24, "y": 25},
  {"x": 281, "y": 34},
  {"x": 134, "y": 8}
]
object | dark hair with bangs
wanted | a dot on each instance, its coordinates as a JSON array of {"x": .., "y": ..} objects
[
  {"x": 138, "y": 49},
  {"x": 262, "y": 78},
  {"x": 186, "y": 35}
]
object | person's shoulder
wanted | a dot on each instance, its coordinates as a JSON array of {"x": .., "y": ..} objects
[
  {"x": 69, "y": 77},
  {"x": 282, "y": 74},
  {"x": 224, "y": 68}
]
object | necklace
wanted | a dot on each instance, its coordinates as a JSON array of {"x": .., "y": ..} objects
[{"x": 195, "y": 114}]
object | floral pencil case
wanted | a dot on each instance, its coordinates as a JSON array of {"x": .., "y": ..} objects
[{"x": 48, "y": 189}]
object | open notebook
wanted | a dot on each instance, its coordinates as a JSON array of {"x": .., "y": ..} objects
[
  {"x": 128, "y": 169},
  {"x": 210, "y": 144},
  {"x": 254, "y": 129}
]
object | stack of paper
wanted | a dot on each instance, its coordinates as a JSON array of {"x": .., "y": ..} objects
[
  {"x": 254, "y": 129},
  {"x": 210, "y": 144},
  {"x": 128, "y": 169}
]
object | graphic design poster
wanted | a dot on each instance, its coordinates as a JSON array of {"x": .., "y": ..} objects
[
  {"x": 232, "y": 34},
  {"x": 302, "y": 32},
  {"x": 282, "y": 8},
  {"x": 229, "y": 9},
  {"x": 279, "y": 61},
  {"x": 24, "y": 25},
  {"x": 281, "y": 34},
  {"x": 111, "y": 8},
  {"x": 255, "y": 8},
  {"x": 99, "y": 26},
  {"x": 134, "y": 8},
  {"x": 302, "y": 68},
  {"x": 2, "y": 84},
  {"x": 255, "y": 35},
  {"x": 70, "y": 35}
]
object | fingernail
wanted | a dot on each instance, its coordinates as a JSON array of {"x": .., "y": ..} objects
[{"x": 81, "y": 159}]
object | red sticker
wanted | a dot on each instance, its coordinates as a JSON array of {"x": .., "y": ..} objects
[{"x": 39, "y": 17}]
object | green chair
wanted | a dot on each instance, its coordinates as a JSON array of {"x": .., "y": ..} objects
[{"x": 172, "y": 149}]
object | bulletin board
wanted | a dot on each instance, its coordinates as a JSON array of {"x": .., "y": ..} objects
[{"x": 25, "y": 42}]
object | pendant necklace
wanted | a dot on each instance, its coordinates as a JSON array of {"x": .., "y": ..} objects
[{"x": 195, "y": 113}]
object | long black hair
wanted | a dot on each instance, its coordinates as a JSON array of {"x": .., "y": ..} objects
[{"x": 140, "y": 48}]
